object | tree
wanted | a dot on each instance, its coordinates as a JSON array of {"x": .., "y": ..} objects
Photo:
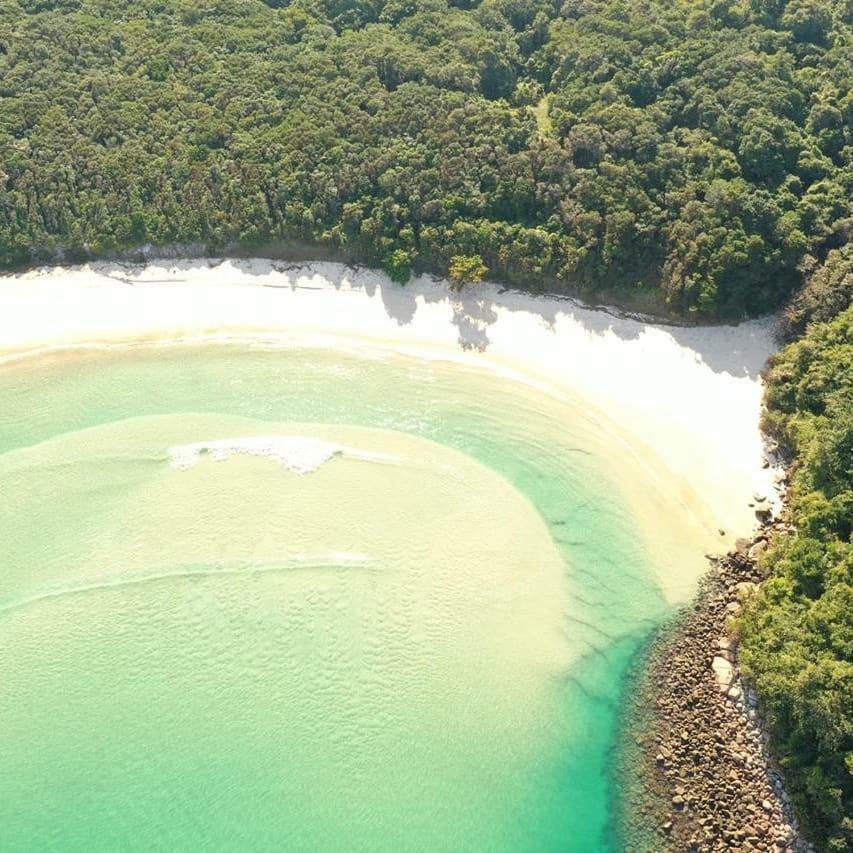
[
  {"x": 797, "y": 633},
  {"x": 808, "y": 20},
  {"x": 398, "y": 265},
  {"x": 466, "y": 269},
  {"x": 828, "y": 290},
  {"x": 693, "y": 174}
]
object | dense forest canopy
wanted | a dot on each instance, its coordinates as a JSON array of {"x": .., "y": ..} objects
[
  {"x": 798, "y": 632},
  {"x": 690, "y": 153}
]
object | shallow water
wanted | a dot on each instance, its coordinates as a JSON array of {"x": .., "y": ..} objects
[{"x": 255, "y": 598}]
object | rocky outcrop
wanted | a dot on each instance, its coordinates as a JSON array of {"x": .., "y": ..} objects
[{"x": 708, "y": 780}]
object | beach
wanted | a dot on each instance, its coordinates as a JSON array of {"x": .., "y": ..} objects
[
  {"x": 675, "y": 410},
  {"x": 379, "y": 558}
]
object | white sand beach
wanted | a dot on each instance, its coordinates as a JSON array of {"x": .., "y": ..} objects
[{"x": 681, "y": 405}]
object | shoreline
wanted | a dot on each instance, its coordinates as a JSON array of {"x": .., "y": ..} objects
[
  {"x": 686, "y": 400},
  {"x": 700, "y": 772},
  {"x": 676, "y": 410},
  {"x": 645, "y": 305}
]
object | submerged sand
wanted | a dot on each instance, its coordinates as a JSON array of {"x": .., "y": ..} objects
[
  {"x": 308, "y": 632},
  {"x": 673, "y": 411}
]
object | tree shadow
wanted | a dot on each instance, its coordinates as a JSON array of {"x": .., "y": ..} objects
[
  {"x": 738, "y": 350},
  {"x": 472, "y": 317}
]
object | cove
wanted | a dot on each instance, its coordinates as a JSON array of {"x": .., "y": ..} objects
[{"x": 417, "y": 641}]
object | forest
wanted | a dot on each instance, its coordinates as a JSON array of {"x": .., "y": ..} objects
[
  {"x": 797, "y": 643},
  {"x": 688, "y": 156},
  {"x": 691, "y": 157}
]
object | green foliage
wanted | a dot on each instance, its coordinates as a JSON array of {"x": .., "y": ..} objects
[
  {"x": 828, "y": 290},
  {"x": 466, "y": 269},
  {"x": 398, "y": 265},
  {"x": 694, "y": 151},
  {"x": 808, "y": 20},
  {"x": 797, "y": 633}
]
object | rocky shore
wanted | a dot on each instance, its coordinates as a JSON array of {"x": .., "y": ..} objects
[{"x": 708, "y": 780}]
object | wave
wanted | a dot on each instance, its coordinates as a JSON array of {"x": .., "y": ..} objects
[
  {"x": 300, "y": 453},
  {"x": 332, "y": 560}
]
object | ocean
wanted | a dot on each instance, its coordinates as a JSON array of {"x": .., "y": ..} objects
[{"x": 257, "y": 597}]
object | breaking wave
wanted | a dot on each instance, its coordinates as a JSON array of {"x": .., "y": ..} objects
[{"x": 299, "y": 453}]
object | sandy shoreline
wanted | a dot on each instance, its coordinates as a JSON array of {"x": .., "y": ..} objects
[{"x": 685, "y": 402}]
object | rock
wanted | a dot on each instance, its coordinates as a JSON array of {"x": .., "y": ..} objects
[
  {"x": 726, "y": 643},
  {"x": 745, "y": 589},
  {"x": 724, "y": 672},
  {"x": 764, "y": 513},
  {"x": 757, "y": 549},
  {"x": 707, "y": 757},
  {"x": 742, "y": 546}
]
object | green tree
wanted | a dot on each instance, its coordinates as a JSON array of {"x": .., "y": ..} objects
[
  {"x": 797, "y": 633},
  {"x": 808, "y": 20},
  {"x": 398, "y": 266},
  {"x": 828, "y": 290},
  {"x": 466, "y": 269}
]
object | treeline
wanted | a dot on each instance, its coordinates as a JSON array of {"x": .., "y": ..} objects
[
  {"x": 797, "y": 642},
  {"x": 692, "y": 153}
]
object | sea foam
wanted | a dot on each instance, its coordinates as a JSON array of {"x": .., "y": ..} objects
[{"x": 301, "y": 454}]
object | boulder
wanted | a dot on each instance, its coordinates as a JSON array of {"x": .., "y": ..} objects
[
  {"x": 727, "y": 644},
  {"x": 723, "y": 671},
  {"x": 745, "y": 589},
  {"x": 742, "y": 546},
  {"x": 764, "y": 512},
  {"x": 757, "y": 549}
]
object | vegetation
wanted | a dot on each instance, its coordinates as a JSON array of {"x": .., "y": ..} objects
[
  {"x": 466, "y": 269},
  {"x": 398, "y": 265},
  {"x": 697, "y": 153},
  {"x": 693, "y": 152},
  {"x": 828, "y": 291},
  {"x": 798, "y": 632}
]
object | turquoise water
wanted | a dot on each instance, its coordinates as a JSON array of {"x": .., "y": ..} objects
[{"x": 415, "y": 640}]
